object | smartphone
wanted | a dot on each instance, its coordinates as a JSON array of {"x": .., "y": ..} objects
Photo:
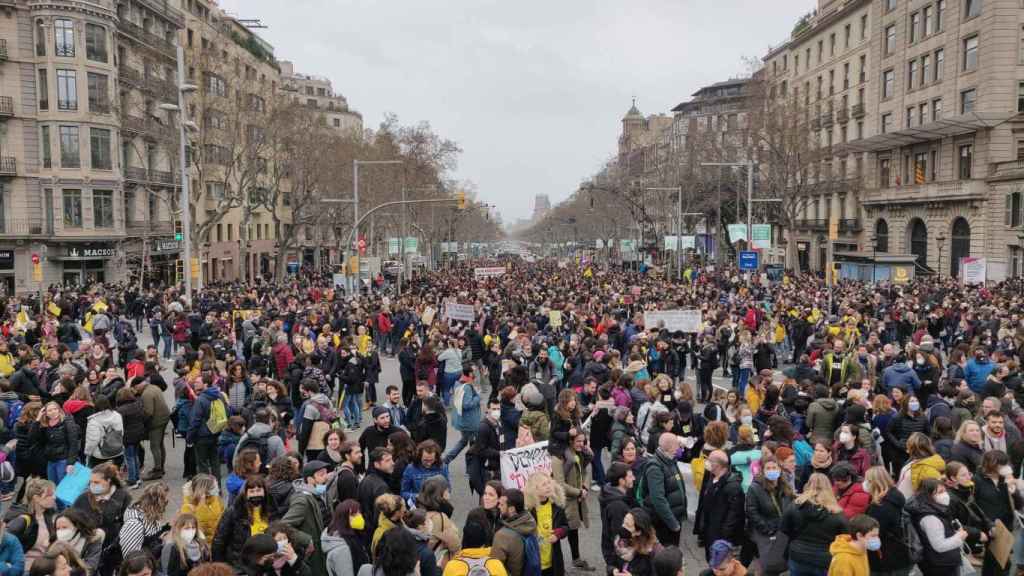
[{"x": 956, "y": 524}]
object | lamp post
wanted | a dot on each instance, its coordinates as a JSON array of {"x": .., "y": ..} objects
[
  {"x": 941, "y": 239},
  {"x": 186, "y": 209},
  {"x": 1020, "y": 253}
]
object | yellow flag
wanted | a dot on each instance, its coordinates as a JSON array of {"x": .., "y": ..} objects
[
  {"x": 22, "y": 320},
  {"x": 99, "y": 306},
  {"x": 588, "y": 273},
  {"x": 53, "y": 309}
]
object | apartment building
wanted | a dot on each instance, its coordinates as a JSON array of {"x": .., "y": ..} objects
[
  {"x": 317, "y": 92},
  {"x": 827, "y": 69}
]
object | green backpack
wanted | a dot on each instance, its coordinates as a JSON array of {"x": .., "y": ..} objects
[{"x": 217, "y": 421}]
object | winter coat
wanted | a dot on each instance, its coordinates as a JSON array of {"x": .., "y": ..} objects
[
  {"x": 60, "y": 442},
  {"x": 917, "y": 470},
  {"x": 373, "y": 485},
  {"x": 466, "y": 417},
  {"x": 572, "y": 476},
  {"x": 621, "y": 432},
  {"x": 29, "y": 459},
  {"x": 158, "y": 414},
  {"x": 614, "y": 507},
  {"x": 853, "y": 500},
  {"x": 197, "y": 428},
  {"x": 108, "y": 514},
  {"x": 559, "y": 529},
  {"x": 933, "y": 562},
  {"x": 811, "y": 529},
  {"x": 765, "y": 506},
  {"x": 720, "y": 510},
  {"x": 967, "y": 454},
  {"x": 663, "y": 491},
  {"x": 100, "y": 425},
  {"x": 22, "y": 524},
  {"x": 888, "y": 512},
  {"x": 821, "y": 417},
  {"x": 306, "y": 514},
  {"x": 508, "y": 541},
  {"x": 742, "y": 460},
  {"x": 415, "y": 475},
  {"x": 133, "y": 418},
  {"x": 234, "y": 529},
  {"x": 847, "y": 559},
  {"x": 208, "y": 514},
  {"x": 12, "y": 558},
  {"x": 900, "y": 375},
  {"x": 976, "y": 373},
  {"x": 344, "y": 554}
]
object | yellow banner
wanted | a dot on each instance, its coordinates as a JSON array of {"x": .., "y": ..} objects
[{"x": 53, "y": 309}]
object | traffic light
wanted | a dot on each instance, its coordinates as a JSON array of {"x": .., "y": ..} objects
[
  {"x": 179, "y": 270},
  {"x": 460, "y": 198},
  {"x": 178, "y": 236}
]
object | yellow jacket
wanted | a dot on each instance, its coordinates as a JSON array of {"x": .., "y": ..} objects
[
  {"x": 208, "y": 515},
  {"x": 6, "y": 365},
  {"x": 847, "y": 559},
  {"x": 458, "y": 567},
  {"x": 754, "y": 399},
  {"x": 931, "y": 467}
]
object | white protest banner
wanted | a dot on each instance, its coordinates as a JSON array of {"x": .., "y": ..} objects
[
  {"x": 674, "y": 320},
  {"x": 489, "y": 272},
  {"x": 973, "y": 270},
  {"x": 518, "y": 464},
  {"x": 459, "y": 312}
]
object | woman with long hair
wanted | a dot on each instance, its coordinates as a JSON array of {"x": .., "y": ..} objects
[
  {"x": 545, "y": 500},
  {"x": 635, "y": 543},
  {"x": 886, "y": 507},
  {"x": 249, "y": 514},
  {"x": 76, "y": 565},
  {"x": 910, "y": 419},
  {"x": 967, "y": 445},
  {"x": 566, "y": 422},
  {"x": 245, "y": 463},
  {"x": 428, "y": 463},
  {"x": 32, "y": 521},
  {"x": 396, "y": 555},
  {"x": 107, "y": 501},
  {"x": 435, "y": 498},
  {"x": 569, "y": 471},
  {"x": 76, "y": 529},
  {"x": 768, "y": 498},
  {"x": 59, "y": 438},
  {"x": 997, "y": 496},
  {"x": 812, "y": 524},
  {"x": 940, "y": 539},
  {"x": 28, "y": 455},
  {"x": 201, "y": 498},
  {"x": 144, "y": 520},
  {"x": 343, "y": 540},
  {"x": 403, "y": 450},
  {"x": 489, "y": 500},
  {"x": 922, "y": 462},
  {"x": 186, "y": 549},
  {"x": 960, "y": 487}
]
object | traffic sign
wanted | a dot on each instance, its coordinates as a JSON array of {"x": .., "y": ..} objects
[
  {"x": 35, "y": 258},
  {"x": 749, "y": 260}
]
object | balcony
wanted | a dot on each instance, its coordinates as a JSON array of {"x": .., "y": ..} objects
[
  {"x": 134, "y": 228},
  {"x": 21, "y": 227},
  {"x": 8, "y": 166},
  {"x": 827, "y": 120},
  {"x": 926, "y": 194},
  {"x": 6, "y": 106},
  {"x": 142, "y": 175},
  {"x": 3, "y": 50},
  {"x": 137, "y": 33},
  {"x": 843, "y": 115},
  {"x": 857, "y": 111},
  {"x": 812, "y": 224},
  {"x": 163, "y": 8},
  {"x": 850, "y": 225},
  {"x": 1000, "y": 170}
]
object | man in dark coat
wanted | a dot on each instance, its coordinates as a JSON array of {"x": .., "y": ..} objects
[
  {"x": 374, "y": 484},
  {"x": 720, "y": 513},
  {"x": 616, "y": 500},
  {"x": 663, "y": 491}
]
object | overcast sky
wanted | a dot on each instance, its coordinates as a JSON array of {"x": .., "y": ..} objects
[{"x": 532, "y": 90}]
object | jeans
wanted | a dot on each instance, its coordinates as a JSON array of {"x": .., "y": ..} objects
[
  {"x": 744, "y": 377},
  {"x": 797, "y": 569},
  {"x": 353, "y": 409},
  {"x": 206, "y": 457},
  {"x": 168, "y": 346},
  {"x": 447, "y": 383},
  {"x": 131, "y": 462},
  {"x": 465, "y": 439},
  {"x": 55, "y": 471},
  {"x": 597, "y": 467}
]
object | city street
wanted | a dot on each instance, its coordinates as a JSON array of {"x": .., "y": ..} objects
[{"x": 462, "y": 500}]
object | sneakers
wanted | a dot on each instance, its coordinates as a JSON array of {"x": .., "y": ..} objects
[
  {"x": 581, "y": 564},
  {"x": 595, "y": 487},
  {"x": 153, "y": 475},
  {"x": 136, "y": 485}
]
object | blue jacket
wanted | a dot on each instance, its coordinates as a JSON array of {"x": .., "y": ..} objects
[
  {"x": 976, "y": 373},
  {"x": 197, "y": 428},
  {"x": 12, "y": 558},
  {"x": 557, "y": 362},
  {"x": 469, "y": 420},
  {"x": 900, "y": 375},
  {"x": 415, "y": 475}
]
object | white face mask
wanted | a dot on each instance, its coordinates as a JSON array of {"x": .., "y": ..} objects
[
  {"x": 748, "y": 420},
  {"x": 65, "y": 534},
  {"x": 942, "y": 499},
  {"x": 845, "y": 438},
  {"x": 866, "y": 486},
  {"x": 188, "y": 534},
  {"x": 496, "y": 414},
  {"x": 1006, "y": 471}
]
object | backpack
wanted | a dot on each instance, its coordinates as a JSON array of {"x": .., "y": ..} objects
[
  {"x": 911, "y": 538},
  {"x": 327, "y": 413},
  {"x": 112, "y": 443},
  {"x": 531, "y": 555},
  {"x": 258, "y": 443},
  {"x": 217, "y": 421},
  {"x": 14, "y": 408},
  {"x": 475, "y": 566}
]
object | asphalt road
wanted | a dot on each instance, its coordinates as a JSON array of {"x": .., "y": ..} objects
[{"x": 462, "y": 499}]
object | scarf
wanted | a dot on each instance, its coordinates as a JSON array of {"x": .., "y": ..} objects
[{"x": 821, "y": 462}]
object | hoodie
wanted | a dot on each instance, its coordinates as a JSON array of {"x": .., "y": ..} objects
[
  {"x": 930, "y": 467},
  {"x": 899, "y": 375},
  {"x": 614, "y": 507},
  {"x": 821, "y": 417},
  {"x": 508, "y": 541},
  {"x": 275, "y": 446},
  {"x": 100, "y": 426},
  {"x": 847, "y": 559},
  {"x": 342, "y": 558}
]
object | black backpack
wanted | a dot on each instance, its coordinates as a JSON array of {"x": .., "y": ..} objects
[{"x": 259, "y": 443}]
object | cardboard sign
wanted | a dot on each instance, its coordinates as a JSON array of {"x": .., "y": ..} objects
[
  {"x": 635, "y": 291},
  {"x": 674, "y": 320},
  {"x": 518, "y": 464},
  {"x": 973, "y": 270},
  {"x": 489, "y": 272},
  {"x": 428, "y": 315},
  {"x": 555, "y": 318},
  {"x": 459, "y": 312}
]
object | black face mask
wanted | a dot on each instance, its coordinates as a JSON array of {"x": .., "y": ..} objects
[{"x": 256, "y": 501}]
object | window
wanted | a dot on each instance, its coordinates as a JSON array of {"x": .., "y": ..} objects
[
  {"x": 863, "y": 67},
  {"x": 860, "y": 130},
  {"x": 929, "y": 20},
  {"x": 966, "y": 157},
  {"x": 99, "y": 100},
  {"x": 915, "y": 25},
  {"x": 1020, "y": 50},
  {"x": 940, "y": 11},
  {"x": 910, "y": 117},
  {"x": 886, "y": 122},
  {"x": 888, "y": 82},
  {"x": 970, "y": 53},
  {"x": 796, "y": 63},
  {"x": 926, "y": 68},
  {"x": 890, "y": 5},
  {"x": 40, "y": 38},
  {"x": 972, "y": 8},
  {"x": 940, "y": 62},
  {"x": 832, "y": 44},
  {"x": 67, "y": 90},
  {"x": 911, "y": 74},
  {"x": 44, "y": 143},
  {"x": 883, "y": 172},
  {"x": 69, "y": 157},
  {"x": 44, "y": 90},
  {"x": 831, "y": 82},
  {"x": 99, "y": 143},
  {"x": 846, "y": 36},
  {"x": 311, "y": 102},
  {"x": 936, "y": 109},
  {"x": 863, "y": 26},
  {"x": 1020, "y": 96},
  {"x": 231, "y": 232},
  {"x": 216, "y": 120},
  {"x": 72, "y": 208},
  {"x": 821, "y": 50},
  {"x": 220, "y": 232},
  {"x": 968, "y": 98},
  {"x": 215, "y": 190},
  {"x": 807, "y": 61},
  {"x": 1013, "y": 209},
  {"x": 216, "y": 85},
  {"x": 95, "y": 43},
  {"x": 64, "y": 37},
  {"x": 890, "y": 39},
  {"x": 103, "y": 208},
  {"x": 922, "y": 113}
]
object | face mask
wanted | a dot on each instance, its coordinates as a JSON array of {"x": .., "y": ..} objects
[
  {"x": 215, "y": 491},
  {"x": 255, "y": 501},
  {"x": 1006, "y": 471},
  {"x": 626, "y": 553},
  {"x": 942, "y": 499},
  {"x": 188, "y": 535},
  {"x": 97, "y": 489},
  {"x": 496, "y": 414},
  {"x": 747, "y": 420},
  {"x": 845, "y": 438},
  {"x": 914, "y": 406},
  {"x": 65, "y": 534},
  {"x": 281, "y": 547},
  {"x": 772, "y": 475},
  {"x": 866, "y": 486},
  {"x": 874, "y": 544},
  {"x": 357, "y": 522},
  {"x": 320, "y": 489},
  {"x": 920, "y": 359}
]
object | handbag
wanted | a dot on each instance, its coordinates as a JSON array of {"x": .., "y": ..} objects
[{"x": 774, "y": 560}]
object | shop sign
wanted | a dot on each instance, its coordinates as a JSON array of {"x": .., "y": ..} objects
[
  {"x": 165, "y": 246},
  {"x": 6, "y": 259},
  {"x": 75, "y": 252}
]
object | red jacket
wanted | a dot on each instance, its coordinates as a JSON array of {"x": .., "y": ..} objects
[
  {"x": 282, "y": 358},
  {"x": 854, "y": 500}
]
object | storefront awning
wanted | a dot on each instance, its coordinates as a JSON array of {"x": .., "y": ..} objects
[
  {"x": 942, "y": 128},
  {"x": 866, "y": 256}
]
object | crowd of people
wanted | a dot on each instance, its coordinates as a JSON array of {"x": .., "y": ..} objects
[{"x": 846, "y": 431}]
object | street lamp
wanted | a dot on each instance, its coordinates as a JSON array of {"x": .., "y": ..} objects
[{"x": 941, "y": 239}]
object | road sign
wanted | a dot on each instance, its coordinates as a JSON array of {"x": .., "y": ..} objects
[
  {"x": 35, "y": 258},
  {"x": 361, "y": 244},
  {"x": 749, "y": 260},
  {"x": 412, "y": 245}
]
